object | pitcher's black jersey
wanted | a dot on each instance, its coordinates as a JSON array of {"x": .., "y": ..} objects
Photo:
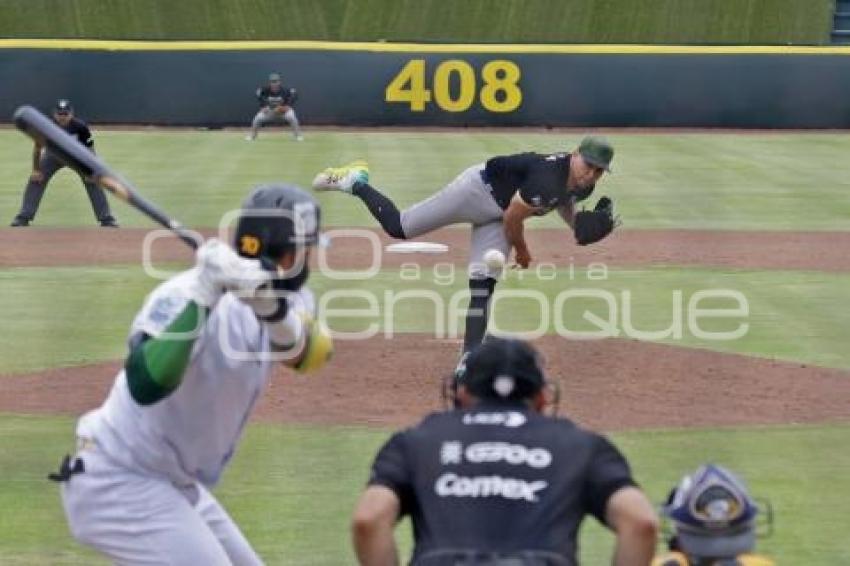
[{"x": 540, "y": 179}]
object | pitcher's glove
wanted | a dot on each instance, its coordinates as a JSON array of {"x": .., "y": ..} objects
[{"x": 593, "y": 225}]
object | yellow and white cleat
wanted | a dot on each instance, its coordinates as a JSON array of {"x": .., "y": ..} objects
[{"x": 342, "y": 178}]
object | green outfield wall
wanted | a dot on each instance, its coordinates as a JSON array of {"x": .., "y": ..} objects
[
  {"x": 779, "y": 22},
  {"x": 374, "y": 84}
]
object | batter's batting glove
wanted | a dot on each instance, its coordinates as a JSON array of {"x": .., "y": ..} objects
[{"x": 218, "y": 269}]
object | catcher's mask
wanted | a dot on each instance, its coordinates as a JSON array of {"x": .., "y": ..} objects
[
  {"x": 502, "y": 369},
  {"x": 713, "y": 515}
]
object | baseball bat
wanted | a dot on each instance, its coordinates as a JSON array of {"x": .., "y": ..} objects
[{"x": 81, "y": 159}]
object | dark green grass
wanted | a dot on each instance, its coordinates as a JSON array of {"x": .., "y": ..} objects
[
  {"x": 781, "y": 181},
  {"x": 796, "y": 316},
  {"x": 292, "y": 488},
  {"x": 499, "y": 21}
]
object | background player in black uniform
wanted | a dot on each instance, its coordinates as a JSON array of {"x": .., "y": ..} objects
[
  {"x": 497, "y": 480},
  {"x": 45, "y": 165},
  {"x": 276, "y": 105},
  {"x": 495, "y": 197}
]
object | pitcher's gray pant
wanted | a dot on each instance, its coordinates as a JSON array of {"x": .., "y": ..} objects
[
  {"x": 134, "y": 518},
  {"x": 465, "y": 200},
  {"x": 269, "y": 116},
  {"x": 49, "y": 165}
]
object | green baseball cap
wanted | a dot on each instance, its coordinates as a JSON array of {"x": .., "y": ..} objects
[
  {"x": 597, "y": 151},
  {"x": 274, "y": 77}
]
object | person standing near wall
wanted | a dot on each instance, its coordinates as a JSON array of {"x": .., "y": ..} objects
[
  {"x": 45, "y": 165},
  {"x": 276, "y": 105}
]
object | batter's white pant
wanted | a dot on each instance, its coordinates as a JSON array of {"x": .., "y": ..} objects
[
  {"x": 465, "y": 200},
  {"x": 140, "y": 519}
]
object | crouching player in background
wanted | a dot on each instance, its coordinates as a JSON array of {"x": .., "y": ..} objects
[
  {"x": 200, "y": 353},
  {"x": 277, "y": 103}
]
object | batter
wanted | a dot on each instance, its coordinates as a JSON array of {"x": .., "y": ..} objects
[{"x": 201, "y": 350}]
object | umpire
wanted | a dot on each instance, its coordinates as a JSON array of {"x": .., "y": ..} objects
[
  {"x": 498, "y": 483},
  {"x": 45, "y": 165}
]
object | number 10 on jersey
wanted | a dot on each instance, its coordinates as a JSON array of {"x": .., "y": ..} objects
[{"x": 499, "y": 90}]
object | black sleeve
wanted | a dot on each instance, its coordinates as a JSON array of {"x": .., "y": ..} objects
[
  {"x": 607, "y": 473},
  {"x": 85, "y": 136},
  {"x": 391, "y": 469}
]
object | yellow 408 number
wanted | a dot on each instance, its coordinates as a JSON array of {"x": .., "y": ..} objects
[{"x": 499, "y": 93}]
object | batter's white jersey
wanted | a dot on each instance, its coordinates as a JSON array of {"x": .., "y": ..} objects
[{"x": 191, "y": 434}]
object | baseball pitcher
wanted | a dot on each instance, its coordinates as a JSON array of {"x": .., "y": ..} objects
[
  {"x": 200, "y": 353},
  {"x": 495, "y": 198}
]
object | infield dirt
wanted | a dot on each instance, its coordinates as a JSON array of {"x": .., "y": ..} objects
[
  {"x": 609, "y": 384},
  {"x": 731, "y": 249}
]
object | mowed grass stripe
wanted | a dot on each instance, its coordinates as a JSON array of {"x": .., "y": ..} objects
[
  {"x": 291, "y": 488},
  {"x": 780, "y": 181},
  {"x": 77, "y": 315}
]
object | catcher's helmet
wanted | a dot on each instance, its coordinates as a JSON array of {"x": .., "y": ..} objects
[
  {"x": 503, "y": 368},
  {"x": 713, "y": 514},
  {"x": 276, "y": 218}
]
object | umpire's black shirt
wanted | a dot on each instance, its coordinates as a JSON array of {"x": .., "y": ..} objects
[
  {"x": 79, "y": 130},
  {"x": 540, "y": 179},
  {"x": 499, "y": 478}
]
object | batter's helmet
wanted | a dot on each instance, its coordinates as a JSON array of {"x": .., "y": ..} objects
[
  {"x": 276, "y": 218},
  {"x": 503, "y": 368},
  {"x": 713, "y": 514}
]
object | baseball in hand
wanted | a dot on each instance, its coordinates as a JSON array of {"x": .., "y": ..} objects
[{"x": 494, "y": 259}]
